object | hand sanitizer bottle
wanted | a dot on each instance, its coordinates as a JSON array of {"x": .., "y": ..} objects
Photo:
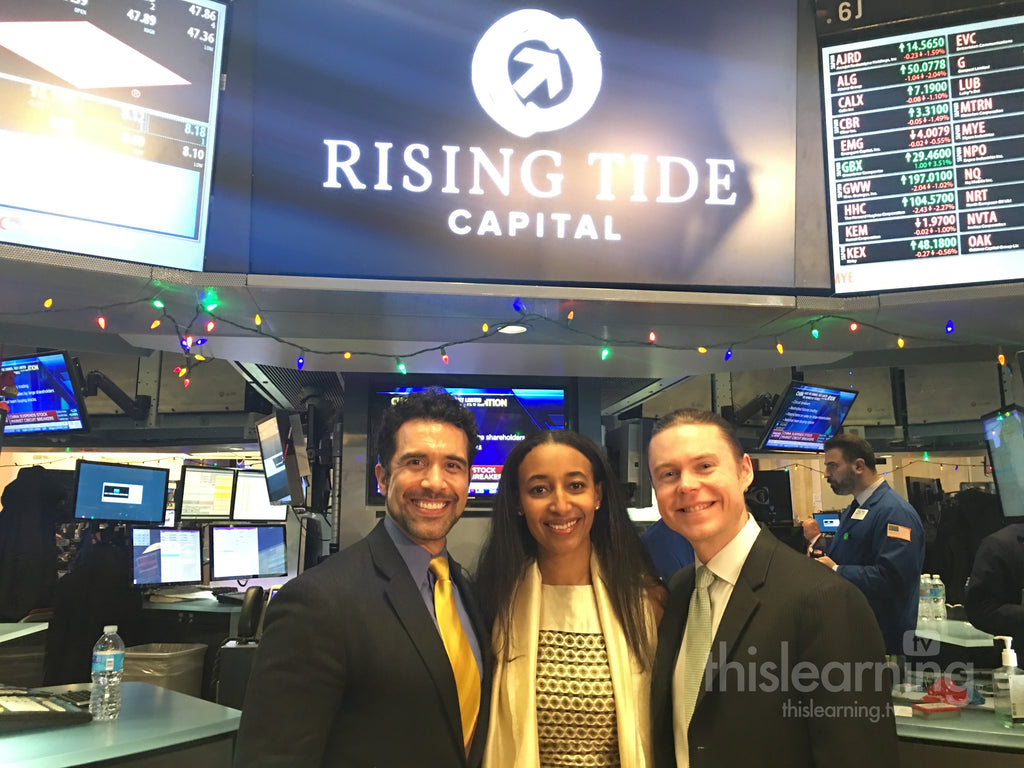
[{"x": 1008, "y": 688}]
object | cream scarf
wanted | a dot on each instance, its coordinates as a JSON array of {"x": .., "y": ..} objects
[{"x": 512, "y": 732}]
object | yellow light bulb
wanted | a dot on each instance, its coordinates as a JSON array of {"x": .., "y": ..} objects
[{"x": 154, "y": 325}]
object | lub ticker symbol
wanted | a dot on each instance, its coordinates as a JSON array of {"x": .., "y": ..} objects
[{"x": 540, "y": 42}]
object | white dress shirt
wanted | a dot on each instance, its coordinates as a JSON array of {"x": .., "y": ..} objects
[{"x": 726, "y": 565}]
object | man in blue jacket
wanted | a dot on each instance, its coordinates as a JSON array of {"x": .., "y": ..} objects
[{"x": 879, "y": 545}]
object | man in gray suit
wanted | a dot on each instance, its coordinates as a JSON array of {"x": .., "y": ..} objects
[
  {"x": 762, "y": 657},
  {"x": 352, "y": 669}
]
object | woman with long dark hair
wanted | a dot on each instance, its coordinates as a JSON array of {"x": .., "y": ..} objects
[{"x": 574, "y": 603}]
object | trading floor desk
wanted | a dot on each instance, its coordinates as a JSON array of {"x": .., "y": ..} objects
[
  {"x": 20, "y": 629},
  {"x": 202, "y": 620},
  {"x": 974, "y": 738},
  {"x": 158, "y": 728}
]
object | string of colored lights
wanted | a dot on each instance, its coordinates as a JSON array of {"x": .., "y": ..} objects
[{"x": 207, "y": 318}]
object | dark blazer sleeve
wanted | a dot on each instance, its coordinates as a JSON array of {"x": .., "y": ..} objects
[
  {"x": 852, "y": 721},
  {"x": 351, "y": 672},
  {"x": 993, "y": 600},
  {"x": 299, "y": 677}
]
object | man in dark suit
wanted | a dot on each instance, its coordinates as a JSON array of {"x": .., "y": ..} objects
[
  {"x": 792, "y": 672},
  {"x": 351, "y": 669},
  {"x": 994, "y": 598},
  {"x": 879, "y": 545}
]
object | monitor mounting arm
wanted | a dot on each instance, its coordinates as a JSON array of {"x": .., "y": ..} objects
[
  {"x": 763, "y": 403},
  {"x": 137, "y": 409}
]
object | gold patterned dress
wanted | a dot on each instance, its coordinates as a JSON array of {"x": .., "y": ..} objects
[{"x": 576, "y": 725}]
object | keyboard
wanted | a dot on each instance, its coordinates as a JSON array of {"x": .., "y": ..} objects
[
  {"x": 178, "y": 594},
  {"x": 78, "y": 697},
  {"x": 20, "y": 711}
]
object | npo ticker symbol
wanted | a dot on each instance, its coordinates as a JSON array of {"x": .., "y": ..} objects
[{"x": 505, "y": 100}]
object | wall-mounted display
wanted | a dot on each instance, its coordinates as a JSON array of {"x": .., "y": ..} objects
[
  {"x": 924, "y": 156},
  {"x": 107, "y": 121}
]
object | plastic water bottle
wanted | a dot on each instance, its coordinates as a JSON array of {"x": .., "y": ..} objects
[
  {"x": 107, "y": 669},
  {"x": 938, "y": 598},
  {"x": 924, "y": 602}
]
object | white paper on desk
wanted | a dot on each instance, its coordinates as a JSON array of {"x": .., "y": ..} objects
[{"x": 901, "y": 710}]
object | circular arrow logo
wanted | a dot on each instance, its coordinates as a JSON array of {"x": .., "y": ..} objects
[{"x": 534, "y": 72}]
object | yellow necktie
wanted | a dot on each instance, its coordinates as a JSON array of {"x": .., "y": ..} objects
[{"x": 467, "y": 677}]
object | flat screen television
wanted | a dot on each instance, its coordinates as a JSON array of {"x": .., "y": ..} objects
[
  {"x": 205, "y": 493},
  {"x": 923, "y": 152},
  {"x": 50, "y": 396},
  {"x": 285, "y": 484},
  {"x": 124, "y": 493},
  {"x": 505, "y": 414},
  {"x": 248, "y": 551},
  {"x": 109, "y": 125},
  {"x": 1004, "y": 434},
  {"x": 806, "y": 416},
  {"x": 165, "y": 556},
  {"x": 251, "y": 502}
]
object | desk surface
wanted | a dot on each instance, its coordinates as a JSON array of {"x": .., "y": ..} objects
[
  {"x": 975, "y": 728},
  {"x": 955, "y": 633},
  {"x": 11, "y": 631},
  {"x": 200, "y": 604},
  {"x": 152, "y": 718}
]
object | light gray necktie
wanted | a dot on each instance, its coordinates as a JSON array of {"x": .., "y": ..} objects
[{"x": 698, "y": 640}]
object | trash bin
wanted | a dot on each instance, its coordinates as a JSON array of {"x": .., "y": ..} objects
[{"x": 178, "y": 666}]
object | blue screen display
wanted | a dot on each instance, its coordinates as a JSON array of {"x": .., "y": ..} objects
[
  {"x": 806, "y": 417},
  {"x": 504, "y": 416},
  {"x": 47, "y": 399},
  {"x": 120, "y": 492},
  {"x": 1004, "y": 433}
]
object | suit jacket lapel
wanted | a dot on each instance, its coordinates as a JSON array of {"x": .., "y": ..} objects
[
  {"x": 407, "y": 602},
  {"x": 670, "y": 640},
  {"x": 742, "y": 605}
]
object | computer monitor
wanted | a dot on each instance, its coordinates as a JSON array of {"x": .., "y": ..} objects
[
  {"x": 828, "y": 522},
  {"x": 251, "y": 502},
  {"x": 50, "y": 397},
  {"x": 247, "y": 551},
  {"x": 124, "y": 493},
  {"x": 166, "y": 556},
  {"x": 1004, "y": 434},
  {"x": 506, "y": 410},
  {"x": 280, "y": 464},
  {"x": 806, "y": 416},
  {"x": 205, "y": 493}
]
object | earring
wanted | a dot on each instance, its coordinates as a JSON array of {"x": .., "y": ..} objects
[{"x": 519, "y": 512}]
